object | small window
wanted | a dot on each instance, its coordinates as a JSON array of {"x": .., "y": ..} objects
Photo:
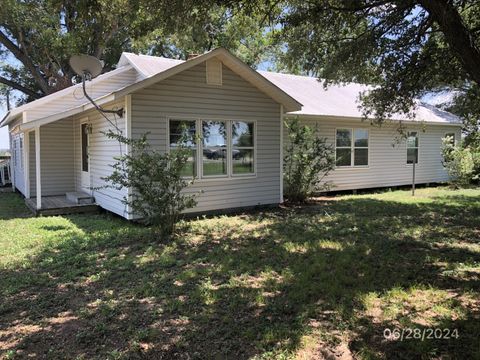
[
  {"x": 451, "y": 138},
  {"x": 15, "y": 156},
  {"x": 184, "y": 132},
  {"x": 243, "y": 148},
  {"x": 84, "y": 135},
  {"x": 360, "y": 155},
  {"x": 344, "y": 147},
  {"x": 214, "y": 148},
  {"x": 21, "y": 152},
  {"x": 412, "y": 147},
  {"x": 351, "y": 147}
]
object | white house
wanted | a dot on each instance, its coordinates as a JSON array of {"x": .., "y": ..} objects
[{"x": 58, "y": 144}]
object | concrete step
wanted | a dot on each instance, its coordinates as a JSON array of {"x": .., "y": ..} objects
[{"x": 80, "y": 197}]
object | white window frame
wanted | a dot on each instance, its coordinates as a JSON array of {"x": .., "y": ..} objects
[
  {"x": 352, "y": 149},
  {"x": 227, "y": 149},
  {"x": 417, "y": 147},
  {"x": 454, "y": 137},
  {"x": 186, "y": 118},
  {"x": 254, "y": 148},
  {"x": 22, "y": 151},
  {"x": 199, "y": 147},
  {"x": 15, "y": 151}
]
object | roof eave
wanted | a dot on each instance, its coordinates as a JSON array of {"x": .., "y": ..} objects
[
  {"x": 4, "y": 122},
  {"x": 357, "y": 118}
]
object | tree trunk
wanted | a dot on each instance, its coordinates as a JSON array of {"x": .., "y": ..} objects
[{"x": 458, "y": 37}]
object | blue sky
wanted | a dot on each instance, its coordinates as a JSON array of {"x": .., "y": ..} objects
[{"x": 3, "y": 131}]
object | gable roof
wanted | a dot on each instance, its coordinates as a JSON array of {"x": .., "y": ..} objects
[
  {"x": 342, "y": 100},
  {"x": 148, "y": 65},
  {"x": 147, "y": 70},
  {"x": 335, "y": 101},
  {"x": 72, "y": 96},
  {"x": 299, "y": 95}
]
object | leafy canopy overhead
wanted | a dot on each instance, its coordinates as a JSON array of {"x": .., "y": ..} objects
[
  {"x": 407, "y": 48},
  {"x": 37, "y": 37}
]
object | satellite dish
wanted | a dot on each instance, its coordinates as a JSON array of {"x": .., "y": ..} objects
[
  {"x": 89, "y": 67},
  {"x": 86, "y": 65}
]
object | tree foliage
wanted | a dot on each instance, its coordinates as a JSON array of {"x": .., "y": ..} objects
[
  {"x": 406, "y": 48},
  {"x": 462, "y": 162},
  {"x": 37, "y": 37},
  {"x": 307, "y": 160},
  {"x": 156, "y": 182}
]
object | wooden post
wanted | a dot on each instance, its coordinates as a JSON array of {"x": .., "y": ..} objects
[{"x": 38, "y": 168}]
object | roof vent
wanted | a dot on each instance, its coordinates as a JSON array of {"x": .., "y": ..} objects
[{"x": 214, "y": 72}]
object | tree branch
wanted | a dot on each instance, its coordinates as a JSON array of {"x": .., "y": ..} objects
[
  {"x": 19, "y": 87},
  {"x": 458, "y": 37},
  {"x": 26, "y": 61}
]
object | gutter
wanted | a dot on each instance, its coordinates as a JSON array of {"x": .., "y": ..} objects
[{"x": 353, "y": 118}]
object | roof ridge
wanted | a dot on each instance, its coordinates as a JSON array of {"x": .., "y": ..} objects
[{"x": 152, "y": 56}]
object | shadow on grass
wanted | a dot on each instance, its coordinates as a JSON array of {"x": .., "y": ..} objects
[
  {"x": 12, "y": 207},
  {"x": 250, "y": 285}
]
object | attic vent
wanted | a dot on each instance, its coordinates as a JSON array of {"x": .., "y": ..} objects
[{"x": 214, "y": 72}]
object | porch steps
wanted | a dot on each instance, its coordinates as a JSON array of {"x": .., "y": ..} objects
[{"x": 80, "y": 198}]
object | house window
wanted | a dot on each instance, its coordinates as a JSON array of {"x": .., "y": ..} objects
[
  {"x": 351, "y": 147},
  {"x": 243, "y": 148},
  {"x": 214, "y": 148},
  {"x": 21, "y": 151},
  {"x": 183, "y": 132},
  {"x": 15, "y": 156},
  {"x": 412, "y": 147},
  {"x": 451, "y": 138},
  {"x": 360, "y": 148},
  {"x": 227, "y": 147}
]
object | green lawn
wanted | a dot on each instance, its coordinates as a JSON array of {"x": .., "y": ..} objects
[{"x": 305, "y": 282}]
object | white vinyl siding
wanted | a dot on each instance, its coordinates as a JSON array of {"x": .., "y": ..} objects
[
  {"x": 56, "y": 156},
  {"x": 102, "y": 151},
  {"x": 187, "y": 96},
  {"x": 387, "y": 157}
]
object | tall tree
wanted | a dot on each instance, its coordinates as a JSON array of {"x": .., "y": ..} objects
[
  {"x": 407, "y": 48},
  {"x": 246, "y": 34},
  {"x": 37, "y": 37}
]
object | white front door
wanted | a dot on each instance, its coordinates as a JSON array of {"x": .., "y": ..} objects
[{"x": 85, "y": 158}]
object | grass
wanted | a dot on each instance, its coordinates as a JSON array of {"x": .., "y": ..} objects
[{"x": 307, "y": 282}]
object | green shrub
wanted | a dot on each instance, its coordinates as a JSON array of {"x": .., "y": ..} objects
[
  {"x": 307, "y": 160},
  {"x": 462, "y": 163},
  {"x": 156, "y": 180}
]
